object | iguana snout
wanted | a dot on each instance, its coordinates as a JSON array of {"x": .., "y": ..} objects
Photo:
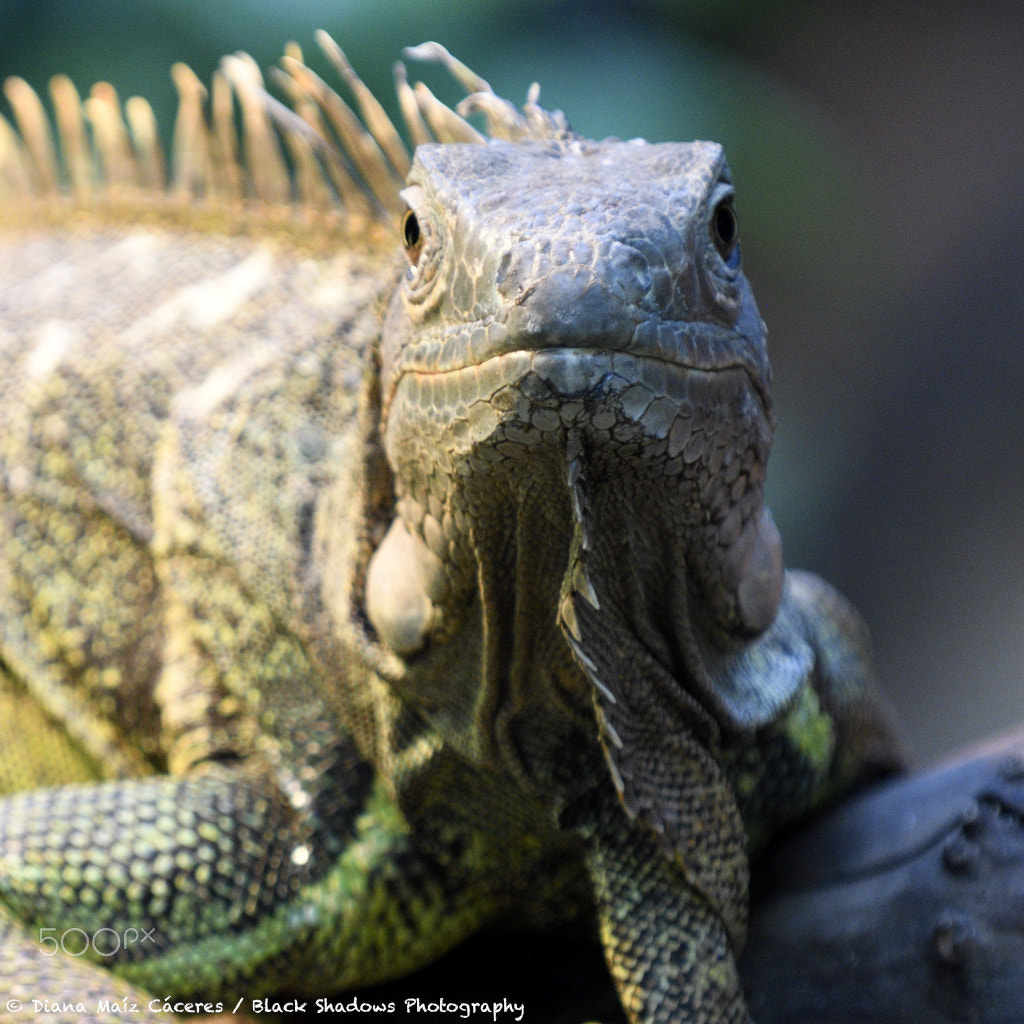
[
  {"x": 573, "y": 304},
  {"x": 622, "y": 247}
]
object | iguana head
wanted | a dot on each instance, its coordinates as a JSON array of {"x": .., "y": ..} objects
[{"x": 575, "y": 405}]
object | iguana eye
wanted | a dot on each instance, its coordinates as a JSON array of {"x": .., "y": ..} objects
[
  {"x": 423, "y": 235},
  {"x": 725, "y": 233},
  {"x": 412, "y": 237}
]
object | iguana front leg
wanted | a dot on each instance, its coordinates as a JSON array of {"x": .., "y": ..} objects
[
  {"x": 274, "y": 860},
  {"x": 213, "y": 889}
]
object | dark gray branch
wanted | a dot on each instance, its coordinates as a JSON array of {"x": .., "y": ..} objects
[{"x": 904, "y": 905}]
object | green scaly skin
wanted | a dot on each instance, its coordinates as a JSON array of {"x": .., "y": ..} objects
[{"x": 390, "y": 599}]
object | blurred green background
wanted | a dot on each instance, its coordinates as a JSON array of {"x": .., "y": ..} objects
[{"x": 879, "y": 159}]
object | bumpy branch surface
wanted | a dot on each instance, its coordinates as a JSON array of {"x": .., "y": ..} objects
[{"x": 905, "y": 904}]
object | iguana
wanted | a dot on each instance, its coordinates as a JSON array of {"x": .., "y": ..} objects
[{"x": 384, "y": 553}]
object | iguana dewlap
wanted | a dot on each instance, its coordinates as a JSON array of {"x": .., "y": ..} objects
[{"x": 390, "y": 594}]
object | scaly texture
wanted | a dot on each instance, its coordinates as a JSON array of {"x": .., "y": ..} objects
[{"x": 346, "y": 605}]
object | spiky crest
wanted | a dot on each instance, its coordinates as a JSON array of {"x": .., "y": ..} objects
[{"x": 340, "y": 164}]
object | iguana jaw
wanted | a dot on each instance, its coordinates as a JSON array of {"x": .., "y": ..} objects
[{"x": 473, "y": 579}]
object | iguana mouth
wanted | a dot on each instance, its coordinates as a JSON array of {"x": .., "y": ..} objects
[{"x": 431, "y": 369}]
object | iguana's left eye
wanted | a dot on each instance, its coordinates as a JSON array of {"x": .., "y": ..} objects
[
  {"x": 725, "y": 232},
  {"x": 412, "y": 237}
]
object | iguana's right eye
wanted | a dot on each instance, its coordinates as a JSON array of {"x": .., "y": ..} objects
[
  {"x": 422, "y": 234},
  {"x": 412, "y": 237}
]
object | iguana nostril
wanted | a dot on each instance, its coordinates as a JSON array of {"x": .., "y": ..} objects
[
  {"x": 516, "y": 270},
  {"x": 627, "y": 272}
]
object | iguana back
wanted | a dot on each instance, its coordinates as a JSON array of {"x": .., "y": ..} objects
[{"x": 131, "y": 294}]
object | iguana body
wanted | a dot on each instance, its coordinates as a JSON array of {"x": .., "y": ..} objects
[{"x": 396, "y": 595}]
